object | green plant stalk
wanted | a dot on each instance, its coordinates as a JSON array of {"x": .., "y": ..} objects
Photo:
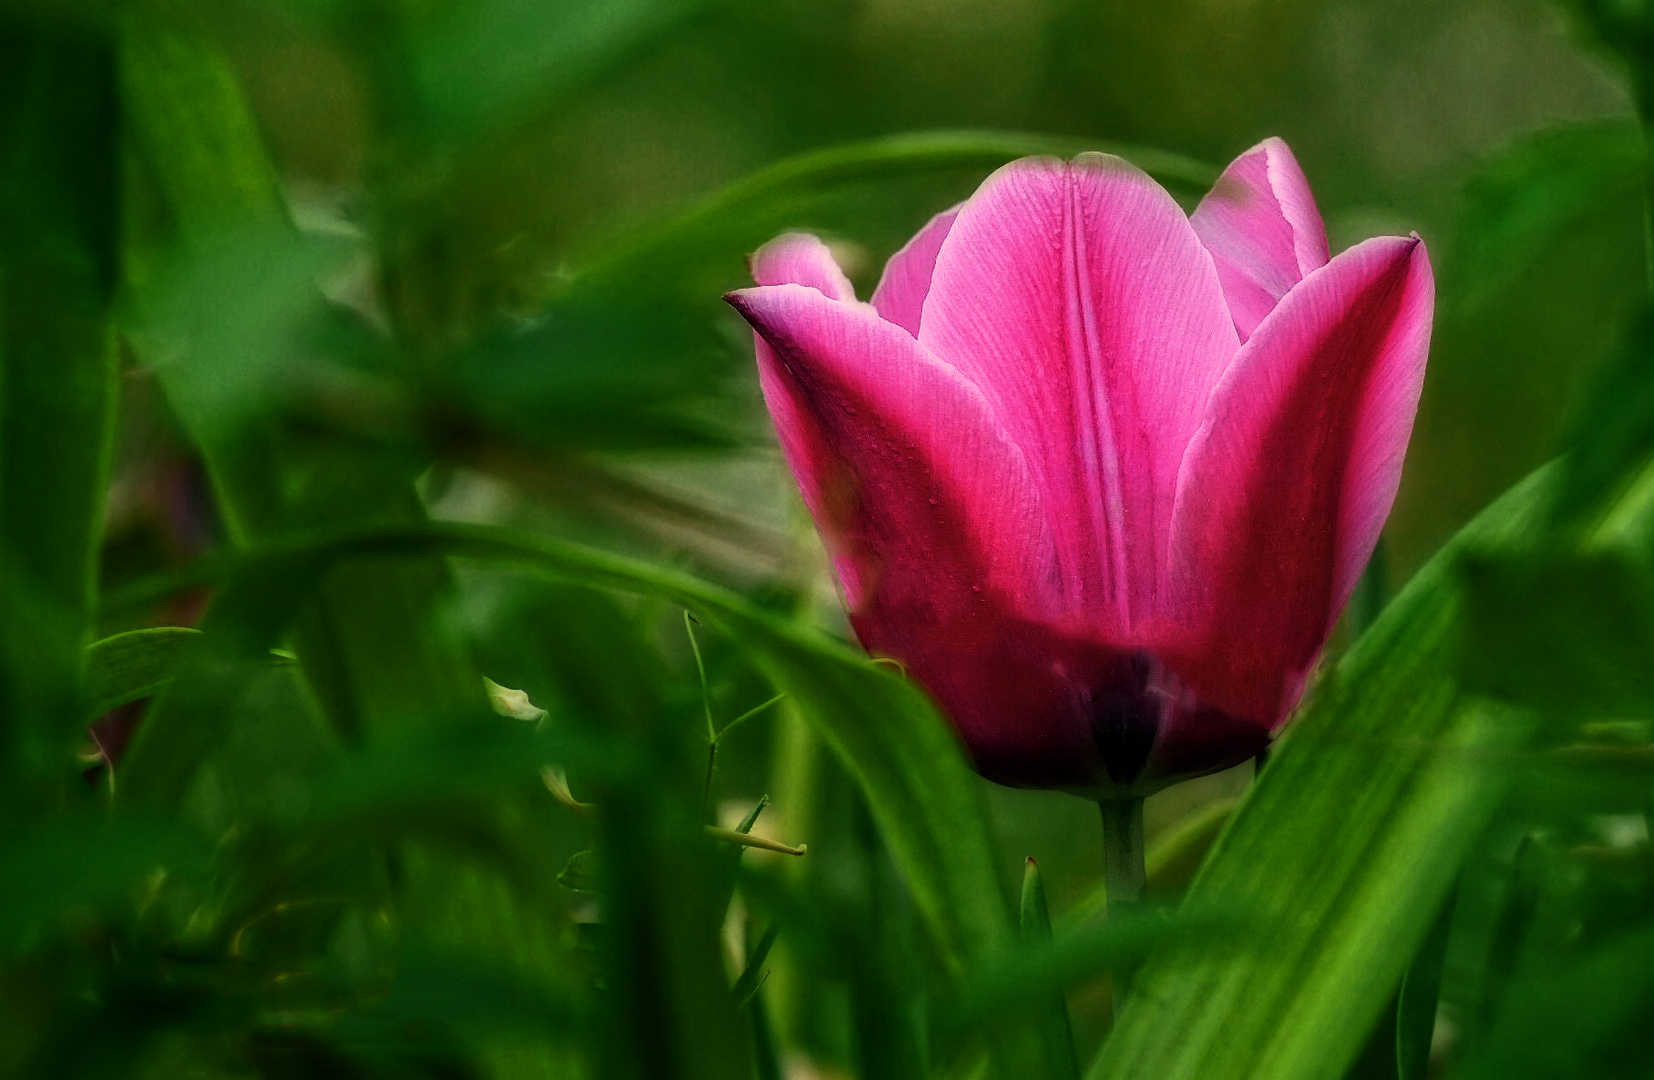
[{"x": 1124, "y": 869}]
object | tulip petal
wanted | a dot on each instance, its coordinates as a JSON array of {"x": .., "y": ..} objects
[
  {"x": 921, "y": 498},
  {"x": 1078, "y": 297},
  {"x": 1262, "y": 227},
  {"x": 1287, "y": 484},
  {"x": 933, "y": 525},
  {"x": 801, "y": 259},
  {"x": 900, "y": 296}
]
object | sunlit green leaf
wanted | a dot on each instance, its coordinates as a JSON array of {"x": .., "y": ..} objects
[{"x": 1344, "y": 848}]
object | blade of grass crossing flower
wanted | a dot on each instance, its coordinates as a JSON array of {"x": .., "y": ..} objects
[
  {"x": 1342, "y": 850},
  {"x": 58, "y": 196}
]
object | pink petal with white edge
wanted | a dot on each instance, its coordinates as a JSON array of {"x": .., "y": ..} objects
[
  {"x": 1288, "y": 483},
  {"x": 900, "y": 296},
  {"x": 1260, "y": 223},
  {"x": 922, "y": 500},
  {"x": 801, "y": 259},
  {"x": 1078, "y": 297}
]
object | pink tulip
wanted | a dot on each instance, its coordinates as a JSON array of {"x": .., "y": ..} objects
[{"x": 1101, "y": 475}]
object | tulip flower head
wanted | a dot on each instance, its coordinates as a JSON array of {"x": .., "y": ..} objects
[{"x": 1101, "y": 475}]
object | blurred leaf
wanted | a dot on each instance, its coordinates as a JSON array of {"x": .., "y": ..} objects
[
  {"x": 133, "y": 665},
  {"x": 233, "y": 323},
  {"x": 927, "y": 800},
  {"x": 70, "y": 866},
  {"x": 1536, "y": 190},
  {"x": 1611, "y": 443},
  {"x": 436, "y": 986},
  {"x": 1568, "y": 635},
  {"x": 1006, "y": 988},
  {"x": 1420, "y": 1000},
  {"x": 752, "y": 975},
  {"x": 1588, "y": 1017},
  {"x": 1345, "y": 847},
  {"x": 59, "y": 139},
  {"x": 193, "y": 129},
  {"x": 753, "y": 209},
  {"x": 624, "y": 356},
  {"x": 483, "y": 62},
  {"x": 581, "y": 874}
]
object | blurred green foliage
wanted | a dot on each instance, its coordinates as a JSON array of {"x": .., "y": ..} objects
[{"x": 355, "y": 353}]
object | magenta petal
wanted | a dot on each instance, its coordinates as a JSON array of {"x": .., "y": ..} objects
[
  {"x": 1260, "y": 223},
  {"x": 934, "y": 528},
  {"x": 910, "y": 478},
  {"x": 1287, "y": 484},
  {"x": 1078, "y": 297},
  {"x": 801, "y": 259},
  {"x": 900, "y": 296}
]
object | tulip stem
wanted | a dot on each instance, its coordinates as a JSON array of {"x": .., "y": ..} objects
[{"x": 1123, "y": 869}]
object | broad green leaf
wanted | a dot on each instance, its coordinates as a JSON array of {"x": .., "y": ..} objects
[
  {"x": 133, "y": 665},
  {"x": 1345, "y": 847}
]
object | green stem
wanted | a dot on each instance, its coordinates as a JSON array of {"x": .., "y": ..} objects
[{"x": 1123, "y": 868}]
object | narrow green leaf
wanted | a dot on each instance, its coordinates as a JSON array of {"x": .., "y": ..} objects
[
  {"x": 1420, "y": 999},
  {"x": 59, "y": 198},
  {"x": 133, "y": 665},
  {"x": 1006, "y": 988},
  {"x": 1054, "y": 1026},
  {"x": 750, "y": 211},
  {"x": 753, "y": 974},
  {"x": 1345, "y": 846},
  {"x": 581, "y": 875}
]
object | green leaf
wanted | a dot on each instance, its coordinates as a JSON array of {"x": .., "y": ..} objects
[
  {"x": 1538, "y": 188},
  {"x": 59, "y": 139},
  {"x": 68, "y": 866},
  {"x": 485, "y": 62},
  {"x": 1566, "y": 634},
  {"x": 1345, "y": 847},
  {"x": 1587, "y": 1017},
  {"x": 926, "y": 799},
  {"x": 753, "y": 974},
  {"x": 580, "y": 875},
  {"x": 133, "y": 665},
  {"x": 1054, "y": 1026},
  {"x": 1420, "y": 999},
  {"x": 1006, "y": 988},
  {"x": 750, "y": 211}
]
